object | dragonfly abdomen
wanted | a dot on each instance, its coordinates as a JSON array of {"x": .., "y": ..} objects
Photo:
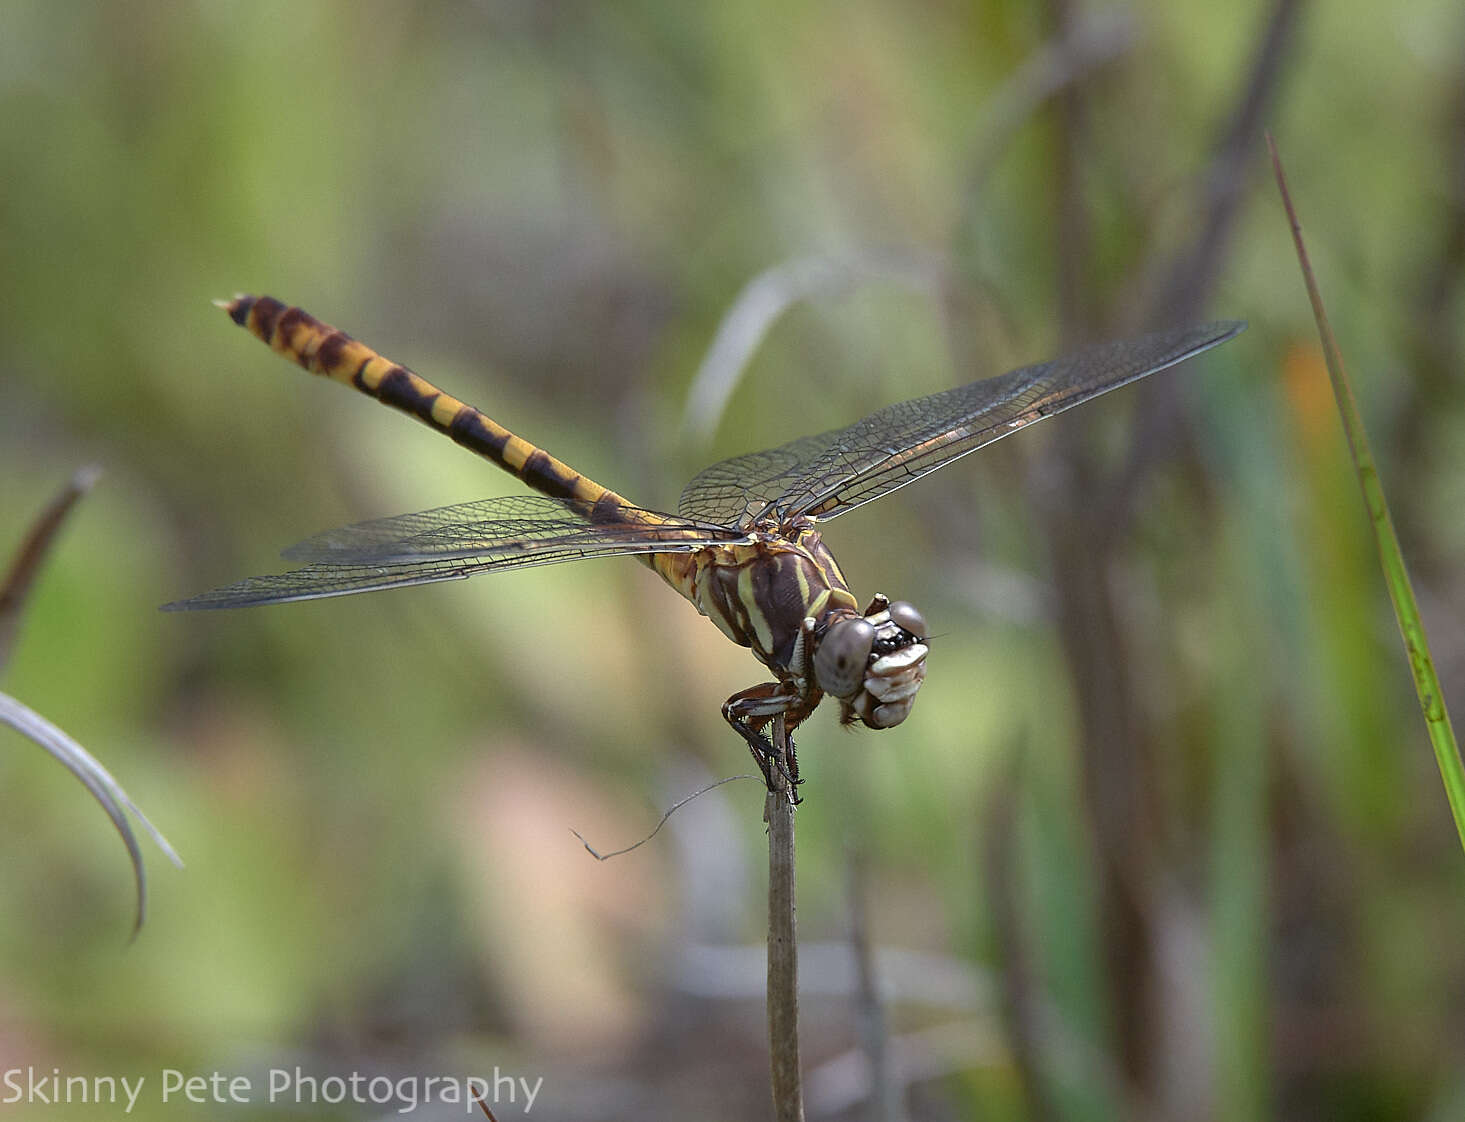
[{"x": 331, "y": 353}]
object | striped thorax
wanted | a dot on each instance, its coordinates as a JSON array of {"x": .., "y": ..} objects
[{"x": 784, "y": 597}]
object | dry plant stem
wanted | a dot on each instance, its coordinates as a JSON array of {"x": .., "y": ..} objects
[
  {"x": 1186, "y": 286},
  {"x": 1391, "y": 557},
  {"x": 483, "y": 1106},
  {"x": 15, "y": 588},
  {"x": 1025, "y": 1033},
  {"x": 1180, "y": 291},
  {"x": 783, "y": 948},
  {"x": 885, "y": 1097},
  {"x": 16, "y": 585},
  {"x": 1117, "y": 756}
]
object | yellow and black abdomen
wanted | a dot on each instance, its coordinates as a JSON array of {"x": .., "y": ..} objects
[{"x": 333, "y": 354}]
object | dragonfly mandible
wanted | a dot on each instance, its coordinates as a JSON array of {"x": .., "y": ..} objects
[{"x": 744, "y": 546}]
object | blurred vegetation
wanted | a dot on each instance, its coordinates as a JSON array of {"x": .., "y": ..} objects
[{"x": 1164, "y": 837}]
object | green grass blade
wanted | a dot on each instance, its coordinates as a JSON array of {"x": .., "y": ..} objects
[{"x": 1411, "y": 627}]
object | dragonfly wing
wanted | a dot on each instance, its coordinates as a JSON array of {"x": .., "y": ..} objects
[
  {"x": 734, "y": 491},
  {"x": 900, "y": 443},
  {"x": 509, "y": 526},
  {"x": 451, "y": 543},
  {"x": 315, "y": 582}
]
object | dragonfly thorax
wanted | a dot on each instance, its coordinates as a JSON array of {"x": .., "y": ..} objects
[{"x": 760, "y": 594}]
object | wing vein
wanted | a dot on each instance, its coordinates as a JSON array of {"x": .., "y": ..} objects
[{"x": 831, "y": 474}]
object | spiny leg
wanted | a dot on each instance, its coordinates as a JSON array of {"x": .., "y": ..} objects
[{"x": 751, "y": 711}]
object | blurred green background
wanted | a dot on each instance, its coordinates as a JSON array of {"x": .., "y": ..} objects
[{"x": 1164, "y": 837}]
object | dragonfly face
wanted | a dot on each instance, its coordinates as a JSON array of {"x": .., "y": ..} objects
[
  {"x": 743, "y": 546},
  {"x": 874, "y": 664}
]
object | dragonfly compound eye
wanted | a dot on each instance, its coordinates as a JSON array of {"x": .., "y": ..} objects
[
  {"x": 890, "y": 686},
  {"x": 908, "y": 619},
  {"x": 839, "y": 663}
]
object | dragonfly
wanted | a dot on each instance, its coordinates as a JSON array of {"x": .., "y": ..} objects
[{"x": 744, "y": 546}]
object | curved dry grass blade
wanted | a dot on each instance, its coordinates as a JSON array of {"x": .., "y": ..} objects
[
  {"x": 16, "y": 586},
  {"x": 1090, "y": 42},
  {"x": 96, "y": 779},
  {"x": 1396, "y": 575},
  {"x": 765, "y": 298}
]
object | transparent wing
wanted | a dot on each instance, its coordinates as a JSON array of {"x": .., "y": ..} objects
[
  {"x": 729, "y": 491},
  {"x": 454, "y": 542},
  {"x": 509, "y": 526},
  {"x": 829, "y": 475}
]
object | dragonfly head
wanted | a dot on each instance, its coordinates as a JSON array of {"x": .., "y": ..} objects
[{"x": 873, "y": 663}]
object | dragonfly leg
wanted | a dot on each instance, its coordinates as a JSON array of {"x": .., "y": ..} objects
[{"x": 751, "y": 711}]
